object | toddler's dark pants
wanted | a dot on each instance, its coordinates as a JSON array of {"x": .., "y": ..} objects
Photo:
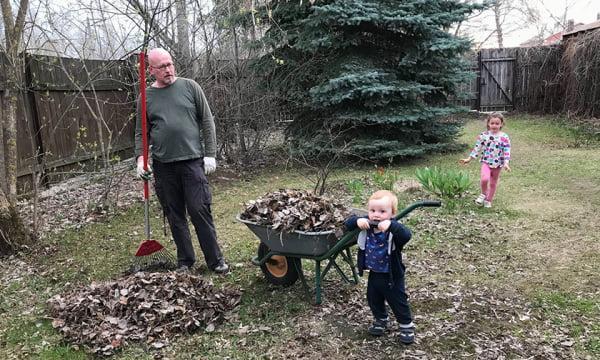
[
  {"x": 182, "y": 186},
  {"x": 379, "y": 292}
]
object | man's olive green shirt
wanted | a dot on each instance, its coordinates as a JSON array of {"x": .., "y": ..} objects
[{"x": 179, "y": 122}]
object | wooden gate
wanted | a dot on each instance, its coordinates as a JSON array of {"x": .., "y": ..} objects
[{"x": 496, "y": 79}]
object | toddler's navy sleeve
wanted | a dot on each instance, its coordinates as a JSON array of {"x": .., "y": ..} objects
[
  {"x": 401, "y": 233},
  {"x": 350, "y": 223}
]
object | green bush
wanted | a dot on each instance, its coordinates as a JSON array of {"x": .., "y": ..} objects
[
  {"x": 384, "y": 180},
  {"x": 446, "y": 183}
]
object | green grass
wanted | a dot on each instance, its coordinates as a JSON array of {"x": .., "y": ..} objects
[
  {"x": 566, "y": 310},
  {"x": 552, "y": 301},
  {"x": 538, "y": 244}
]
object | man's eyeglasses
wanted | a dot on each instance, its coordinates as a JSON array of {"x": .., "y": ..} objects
[{"x": 163, "y": 66}]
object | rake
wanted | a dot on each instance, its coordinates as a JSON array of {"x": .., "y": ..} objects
[{"x": 150, "y": 253}]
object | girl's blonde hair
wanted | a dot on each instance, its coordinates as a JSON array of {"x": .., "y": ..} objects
[
  {"x": 382, "y": 194},
  {"x": 494, "y": 115}
]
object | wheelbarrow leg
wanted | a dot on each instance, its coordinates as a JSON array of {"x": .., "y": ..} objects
[
  {"x": 303, "y": 280},
  {"x": 348, "y": 258},
  {"x": 318, "y": 282}
]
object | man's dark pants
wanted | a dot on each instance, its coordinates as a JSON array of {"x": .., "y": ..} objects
[{"x": 182, "y": 186}]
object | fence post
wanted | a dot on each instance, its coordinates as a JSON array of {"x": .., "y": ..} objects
[
  {"x": 478, "y": 101},
  {"x": 31, "y": 112},
  {"x": 514, "y": 85}
]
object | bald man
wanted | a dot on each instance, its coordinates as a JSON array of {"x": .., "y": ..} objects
[{"x": 182, "y": 138}]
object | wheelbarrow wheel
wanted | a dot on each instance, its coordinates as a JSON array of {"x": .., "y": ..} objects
[{"x": 279, "y": 269}]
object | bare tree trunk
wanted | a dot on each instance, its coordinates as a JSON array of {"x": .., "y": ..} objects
[
  {"x": 207, "y": 69},
  {"x": 12, "y": 230},
  {"x": 183, "y": 37},
  {"x": 236, "y": 91},
  {"x": 13, "y": 29},
  {"x": 497, "y": 16},
  {"x": 10, "y": 135},
  {"x": 3, "y": 182}
]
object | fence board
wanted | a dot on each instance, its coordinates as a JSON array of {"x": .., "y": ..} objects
[
  {"x": 70, "y": 128},
  {"x": 53, "y": 112},
  {"x": 54, "y": 73},
  {"x": 26, "y": 137}
]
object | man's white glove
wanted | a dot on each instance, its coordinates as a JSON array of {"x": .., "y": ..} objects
[
  {"x": 141, "y": 172},
  {"x": 210, "y": 165}
]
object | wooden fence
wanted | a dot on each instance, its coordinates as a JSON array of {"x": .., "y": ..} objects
[
  {"x": 494, "y": 86},
  {"x": 71, "y": 107},
  {"x": 545, "y": 79}
]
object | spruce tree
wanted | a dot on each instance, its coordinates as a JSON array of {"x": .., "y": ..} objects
[{"x": 367, "y": 78}]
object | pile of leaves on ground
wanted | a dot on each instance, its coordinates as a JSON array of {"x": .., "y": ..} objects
[
  {"x": 287, "y": 210},
  {"x": 144, "y": 307}
]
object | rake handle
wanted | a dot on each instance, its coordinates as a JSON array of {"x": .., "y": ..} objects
[{"x": 142, "y": 62}]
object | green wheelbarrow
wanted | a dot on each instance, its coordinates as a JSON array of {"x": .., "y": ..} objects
[{"x": 280, "y": 254}]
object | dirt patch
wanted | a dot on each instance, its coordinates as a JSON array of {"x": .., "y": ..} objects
[
  {"x": 542, "y": 206},
  {"x": 453, "y": 321}
]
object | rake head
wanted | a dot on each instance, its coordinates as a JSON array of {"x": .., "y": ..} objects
[
  {"x": 150, "y": 255},
  {"x": 149, "y": 247}
]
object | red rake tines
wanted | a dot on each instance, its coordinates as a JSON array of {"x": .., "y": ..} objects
[{"x": 150, "y": 252}]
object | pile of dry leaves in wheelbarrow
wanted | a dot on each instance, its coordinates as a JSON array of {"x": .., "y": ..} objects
[
  {"x": 144, "y": 307},
  {"x": 287, "y": 210}
]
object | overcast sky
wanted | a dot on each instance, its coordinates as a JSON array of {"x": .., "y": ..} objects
[
  {"x": 581, "y": 11},
  {"x": 516, "y": 30}
]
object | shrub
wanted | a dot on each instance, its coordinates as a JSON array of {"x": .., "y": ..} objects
[
  {"x": 446, "y": 183},
  {"x": 356, "y": 188},
  {"x": 385, "y": 180}
]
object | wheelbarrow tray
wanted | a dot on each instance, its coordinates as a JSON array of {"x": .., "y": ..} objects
[{"x": 295, "y": 242}]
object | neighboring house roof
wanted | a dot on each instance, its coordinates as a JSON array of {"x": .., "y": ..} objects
[
  {"x": 582, "y": 28},
  {"x": 557, "y": 37},
  {"x": 553, "y": 39},
  {"x": 536, "y": 41}
]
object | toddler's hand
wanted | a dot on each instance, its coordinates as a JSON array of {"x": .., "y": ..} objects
[
  {"x": 465, "y": 161},
  {"x": 384, "y": 225},
  {"x": 507, "y": 167},
  {"x": 363, "y": 223}
]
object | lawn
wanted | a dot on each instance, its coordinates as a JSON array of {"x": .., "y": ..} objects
[{"x": 519, "y": 280}]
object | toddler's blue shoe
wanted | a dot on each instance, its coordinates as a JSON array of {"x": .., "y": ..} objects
[{"x": 379, "y": 327}]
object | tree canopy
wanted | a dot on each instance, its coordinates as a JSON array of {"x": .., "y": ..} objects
[{"x": 369, "y": 78}]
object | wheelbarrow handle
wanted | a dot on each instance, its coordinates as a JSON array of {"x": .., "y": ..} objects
[
  {"x": 373, "y": 224},
  {"x": 411, "y": 207},
  {"x": 430, "y": 203}
]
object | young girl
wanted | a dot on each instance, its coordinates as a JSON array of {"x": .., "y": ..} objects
[{"x": 495, "y": 148}]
